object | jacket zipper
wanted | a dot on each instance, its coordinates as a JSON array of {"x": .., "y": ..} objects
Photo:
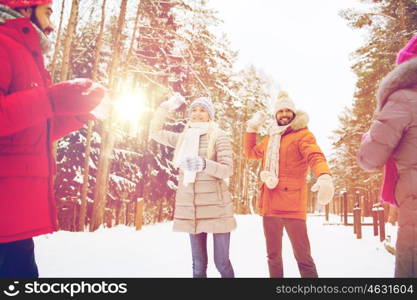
[
  {"x": 50, "y": 174},
  {"x": 220, "y": 191},
  {"x": 195, "y": 210}
]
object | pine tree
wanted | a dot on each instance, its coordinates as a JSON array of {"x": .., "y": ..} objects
[
  {"x": 157, "y": 47},
  {"x": 389, "y": 25}
]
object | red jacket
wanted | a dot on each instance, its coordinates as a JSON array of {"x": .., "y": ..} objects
[{"x": 27, "y": 129}]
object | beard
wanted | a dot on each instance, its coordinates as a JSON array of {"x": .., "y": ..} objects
[
  {"x": 284, "y": 121},
  {"x": 34, "y": 19}
]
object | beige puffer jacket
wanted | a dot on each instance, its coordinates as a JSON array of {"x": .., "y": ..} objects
[{"x": 203, "y": 206}]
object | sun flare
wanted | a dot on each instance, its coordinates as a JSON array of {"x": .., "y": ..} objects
[{"x": 130, "y": 107}]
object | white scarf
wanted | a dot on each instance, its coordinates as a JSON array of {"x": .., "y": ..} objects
[
  {"x": 189, "y": 147},
  {"x": 270, "y": 173}
]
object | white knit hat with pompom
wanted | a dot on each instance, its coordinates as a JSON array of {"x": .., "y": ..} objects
[{"x": 283, "y": 101}]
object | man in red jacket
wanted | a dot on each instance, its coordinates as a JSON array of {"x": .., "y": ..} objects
[{"x": 33, "y": 113}]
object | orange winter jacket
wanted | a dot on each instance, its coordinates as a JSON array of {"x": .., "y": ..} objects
[{"x": 298, "y": 151}]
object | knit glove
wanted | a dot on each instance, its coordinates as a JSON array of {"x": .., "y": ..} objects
[
  {"x": 193, "y": 164},
  {"x": 75, "y": 97},
  {"x": 325, "y": 188},
  {"x": 269, "y": 178},
  {"x": 104, "y": 109},
  {"x": 173, "y": 103},
  {"x": 256, "y": 121}
]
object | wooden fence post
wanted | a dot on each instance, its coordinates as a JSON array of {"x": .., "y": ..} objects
[
  {"x": 375, "y": 218},
  {"x": 139, "y": 213},
  {"x": 357, "y": 222},
  {"x": 340, "y": 207},
  {"x": 345, "y": 208},
  {"x": 381, "y": 219}
]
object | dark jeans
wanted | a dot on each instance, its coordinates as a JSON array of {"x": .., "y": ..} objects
[
  {"x": 221, "y": 243},
  {"x": 297, "y": 233},
  {"x": 17, "y": 260}
]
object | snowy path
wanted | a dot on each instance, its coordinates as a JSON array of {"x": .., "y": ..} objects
[{"x": 156, "y": 251}]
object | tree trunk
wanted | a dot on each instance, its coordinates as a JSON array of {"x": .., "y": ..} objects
[
  {"x": 84, "y": 188},
  {"x": 68, "y": 40},
  {"x": 58, "y": 41},
  {"x": 243, "y": 160},
  {"x": 100, "y": 193},
  {"x": 402, "y": 21},
  {"x": 132, "y": 40},
  {"x": 66, "y": 57}
]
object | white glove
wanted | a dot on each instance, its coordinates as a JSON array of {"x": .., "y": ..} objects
[
  {"x": 256, "y": 121},
  {"x": 173, "y": 103},
  {"x": 270, "y": 179},
  {"x": 193, "y": 164},
  {"x": 324, "y": 186}
]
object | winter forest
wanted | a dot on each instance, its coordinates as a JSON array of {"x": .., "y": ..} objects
[{"x": 111, "y": 173}]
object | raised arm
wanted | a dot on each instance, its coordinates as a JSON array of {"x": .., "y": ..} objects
[
  {"x": 251, "y": 149},
  {"x": 165, "y": 137}
]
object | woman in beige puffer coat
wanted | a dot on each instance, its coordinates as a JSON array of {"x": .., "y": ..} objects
[{"x": 203, "y": 204}]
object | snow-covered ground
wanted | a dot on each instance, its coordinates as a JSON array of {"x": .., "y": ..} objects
[{"x": 156, "y": 251}]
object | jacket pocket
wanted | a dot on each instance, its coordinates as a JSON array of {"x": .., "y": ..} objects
[
  {"x": 207, "y": 193},
  {"x": 287, "y": 198}
]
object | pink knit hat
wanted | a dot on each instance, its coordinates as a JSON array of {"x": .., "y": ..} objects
[
  {"x": 23, "y": 3},
  {"x": 408, "y": 52}
]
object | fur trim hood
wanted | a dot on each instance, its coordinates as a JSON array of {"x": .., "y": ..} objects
[
  {"x": 403, "y": 76},
  {"x": 300, "y": 121}
]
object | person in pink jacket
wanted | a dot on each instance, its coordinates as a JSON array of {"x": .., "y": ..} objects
[
  {"x": 391, "y": 142},
  {"x": 33, "y": 114}
]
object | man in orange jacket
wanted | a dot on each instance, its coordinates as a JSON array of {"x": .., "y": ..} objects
[{"x": 287, "y": 153}]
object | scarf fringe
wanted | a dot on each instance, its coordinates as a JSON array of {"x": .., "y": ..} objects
[{"x": 270, "y": 173}]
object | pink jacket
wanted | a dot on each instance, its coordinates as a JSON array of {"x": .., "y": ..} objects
[{"x": 392, "y": 139}]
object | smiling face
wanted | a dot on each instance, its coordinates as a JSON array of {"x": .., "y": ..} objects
[
  {"x": 284, "y": 116},
  {"x": 199, "y": 114}
]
